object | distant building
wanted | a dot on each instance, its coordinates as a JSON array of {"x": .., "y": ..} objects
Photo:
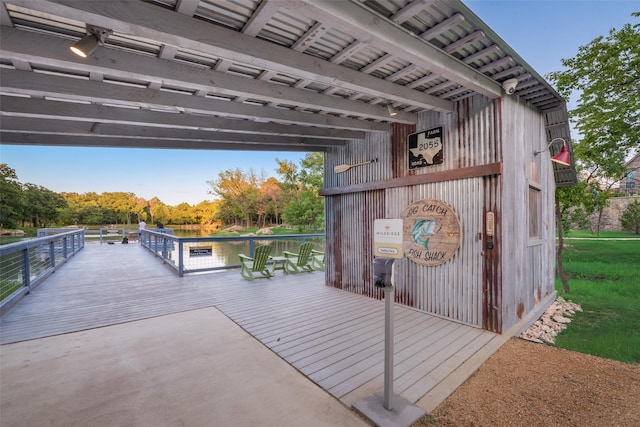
[{"x": 630, "y": 184}]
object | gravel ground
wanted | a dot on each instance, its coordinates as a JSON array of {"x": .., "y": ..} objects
[{"x": 529, "y": 384}]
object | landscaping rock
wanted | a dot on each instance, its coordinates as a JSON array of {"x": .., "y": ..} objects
[{"x": 552, "y": 322}]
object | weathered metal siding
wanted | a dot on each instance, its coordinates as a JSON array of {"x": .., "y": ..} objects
[
  {"x": 492, "y": 269},
  {"x": 470, "y": 136},
  {"x": 528, "y": 261},
  {"x": 468, "y": 287},
  {"x": 375, "y": 146},
  {"x": 349, "y": 217},
  {"x": 452, "y": 289}
]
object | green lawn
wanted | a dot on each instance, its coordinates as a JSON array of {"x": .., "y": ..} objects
[
  {"x": 277, "y": 231},
  {"x": 604, "y": 278},
  {"x": 603, "y": 234}
]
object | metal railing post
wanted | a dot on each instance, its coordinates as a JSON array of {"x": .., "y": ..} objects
[
  {"x": 180, "y": 259},
  {"x": 26, "y": 269},
  {"x": 52, "y": 253}
]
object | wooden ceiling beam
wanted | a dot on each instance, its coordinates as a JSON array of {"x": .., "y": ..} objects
[
  {"x": 53, "y": 52},
  {"x": 30, "y": 83},
  {"x": 111, "y": 130},
  {"x": 167, "y": 27},
  {"x": 51, "y": 110},
  {"x": 362, "y": 24},
  {"x": 119, "y": 142}
]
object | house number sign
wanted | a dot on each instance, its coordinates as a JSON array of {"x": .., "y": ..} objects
[
  {"x": 425, "y": 148},
  {"x": 431, "y": 232}
]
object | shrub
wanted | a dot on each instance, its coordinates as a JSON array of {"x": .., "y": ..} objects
[{"x": 630, "y": 218}]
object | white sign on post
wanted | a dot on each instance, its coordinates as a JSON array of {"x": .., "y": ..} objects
[{"x": 387, "y": 238}]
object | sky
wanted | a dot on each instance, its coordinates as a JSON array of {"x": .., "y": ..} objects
[{"x": 542, "y": 32}]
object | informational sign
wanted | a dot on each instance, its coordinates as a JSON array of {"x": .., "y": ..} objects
[
  {"x": 196, "y": 251},
  {"x": 426, "y": 148},
  {"x": 387, "y": 238},
  {"x": 431, "y": 232}
]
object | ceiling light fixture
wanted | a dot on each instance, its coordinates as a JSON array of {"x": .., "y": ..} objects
[
  {"x": 564, "y": 157},
  {"x": 88, "y": 44},
  {"x": 392, "y": 111}
]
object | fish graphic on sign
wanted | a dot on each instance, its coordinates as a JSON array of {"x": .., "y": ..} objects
[{"x": 423, "y": 229}]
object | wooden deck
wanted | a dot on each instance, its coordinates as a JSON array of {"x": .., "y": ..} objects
[{"x": 334, "y": 337}]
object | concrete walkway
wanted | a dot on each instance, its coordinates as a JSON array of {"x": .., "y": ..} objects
[{"x": 195, "y": 368}]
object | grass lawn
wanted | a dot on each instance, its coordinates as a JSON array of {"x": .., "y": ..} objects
[
  {"x": 604, "y": 278},
  {"x": 603, "y": 234},
  {"x": 277, "y": 231}
]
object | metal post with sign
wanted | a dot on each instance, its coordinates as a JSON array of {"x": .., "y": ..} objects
[{"x": 386, "y": 409}]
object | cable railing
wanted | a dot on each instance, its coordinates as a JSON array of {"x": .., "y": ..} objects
[
  {"x": 201, "y": 254},
  {"x": 25, "y": 265}
]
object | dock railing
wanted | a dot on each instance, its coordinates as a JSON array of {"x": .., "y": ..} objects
[
  {"x": 201, "y": 254},
  {"x": 25, "y": 265}
]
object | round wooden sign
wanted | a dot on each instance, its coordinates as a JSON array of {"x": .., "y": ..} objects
[{"x": 431, "y": 232}]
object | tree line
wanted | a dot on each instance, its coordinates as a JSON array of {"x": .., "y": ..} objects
[{"x": 240, "y": 197}]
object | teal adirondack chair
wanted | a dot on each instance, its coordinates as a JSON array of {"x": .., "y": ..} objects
[
  {"x": 256, "y": 267},
  {"x": 317, "y": 260},
  {"x": 300, "y": 262}
]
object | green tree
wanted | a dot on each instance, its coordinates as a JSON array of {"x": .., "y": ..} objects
[
  {"x": 303, "y": 206},
  {"x": 306, "y": 210},
  {"x": 155, "y": 205},
  {"x": 121, "y": 206},
  {"x": 182, "y": 214},
  {"x": 270, "y": 201},
  {"x": 11, "y": 197},
  {"x": 240, "y": 193},
  {"x": 606, "y": 73},
  {"x": 630, "y": 218},
  {"x": 205, "y": 212},
  {"x": 312, "y": 171},
  {"x": 42, "y": 206}
]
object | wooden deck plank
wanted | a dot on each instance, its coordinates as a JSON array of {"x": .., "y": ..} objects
[
  {"x": 311, "y": 336},
  {"x": 354, "y": 347},
  {"x": 334, "y": 337}
]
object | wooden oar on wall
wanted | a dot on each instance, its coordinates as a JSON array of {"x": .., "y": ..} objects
[{"x": 344, "y": 168}]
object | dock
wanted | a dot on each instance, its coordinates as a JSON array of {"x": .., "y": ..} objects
[{"x": 333, "y": 337}]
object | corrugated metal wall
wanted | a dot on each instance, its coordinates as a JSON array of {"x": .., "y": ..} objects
[
  {"x": 528, "y": 261},
  {"x": 468, "y": 287},
  {"x": 452, "y": 289}
]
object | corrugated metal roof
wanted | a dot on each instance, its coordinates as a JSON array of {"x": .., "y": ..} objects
[{"x": 346, "y": 60}]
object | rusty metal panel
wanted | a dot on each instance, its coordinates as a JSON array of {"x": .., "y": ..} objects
[
  {"x": 454, "y": 289},
  {"x": 354, "y": 237},
  {"x": 492, "y": 269},
  {"x": 375, "y": 146},
  {"x": 469, "y": 139}
]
